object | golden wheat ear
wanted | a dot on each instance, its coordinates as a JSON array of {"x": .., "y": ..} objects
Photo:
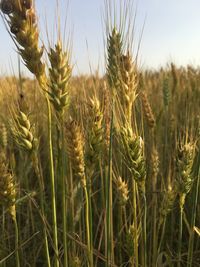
[
  {"x": 148, "y": 111},
  {"x": 75, "y": 148},
  {"x": 95, "y": 134},
  {"x": 3, "y": 136},
  {"x": 122, "y": 190}
]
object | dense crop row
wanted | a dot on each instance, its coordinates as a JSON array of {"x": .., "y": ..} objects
[{"x": 97, "y": 171}]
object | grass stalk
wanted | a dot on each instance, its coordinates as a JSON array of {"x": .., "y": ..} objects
[
  {"x": 135, "y": 237},
  {"x": 180, "y": 235},
  {"x": 155, "y": 238},
  {"x": 64, "y": 195},
  {"x": 144, "y": 230},
  {"x": 3, "y": 234},
  {"x": 41, "y": 195},
  {"x": 162, "y": 235},
  {"x": 53, "y": 195},
  {"x": 193, "y": 219},
  {"x": 120, "y": 242},
  {"x": 88, "y": 227},
  {"x": 16, "y": 242},
  {"x": 109, "y": 198},
  {"x": 91, "y": 220}
]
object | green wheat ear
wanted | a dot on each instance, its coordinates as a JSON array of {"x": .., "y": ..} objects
[
  {"x": 185, "y": 178},
  {"x": 59, "y": 74},
  {"x": 114, "y": 51},
  {"x": 166, "y": 92},
  {"x": 129, "y": 239},
  {"x": 132, "y": 146},
  {"x": 167, "y": 204},
  {"x": 22, "y": 132},
  {"x": 75, "y": 261}
]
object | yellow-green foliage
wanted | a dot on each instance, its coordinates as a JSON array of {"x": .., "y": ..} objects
[{"x": 104, "y": 167}]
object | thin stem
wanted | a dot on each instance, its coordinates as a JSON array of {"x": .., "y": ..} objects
[
  {"x": 71, "y": 206},
  {"x": 41, "y": 186},
  {"x": 180, "y": 235},
  {"x": 135, "y": 223},
  {"x": 193, "y": 219},
  {"x": 145, "y": 230},
  {"x": 87, "y": 221},
  {"x": 64, "y": 196},
  {"x": 16, "y": 243},
  {"x": 52, "y": 176},
  {"x": 3, "y": 234},
  {"x": 102, "y": 186},
  {"x": 162, "y": 235},
  {"x": 109, "y": 199},
  {"x": 155, "y": 239},
  {"x": 90, "y": 217},
  {"x": 120, "y": 225}
]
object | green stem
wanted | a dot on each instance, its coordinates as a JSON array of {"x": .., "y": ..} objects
[
  {"x": 3, "y": 235},
  {"x": 41, "y": 186},
  {"x": 87, "y": 221},
  {"x": 16, "y": 243},
  {"x": 109, "y": 199},
  {"x": 52, "y": 176},
  {"x": 90, "y": 216},
  {"x": 194, "y": 210},
  {"x": 135, "y": 223},
  {"x": 162, "y": 235},
  {"x": 120, "y": 225},
  {"x": 71, "y": 226},
  {"x": 180, "y": 235},
  {"x": 155, "y": 239},
  {"x": 102, "y": 186},
  {"x": 64, "y": 196},
  {"x": 145, "y": 230}
]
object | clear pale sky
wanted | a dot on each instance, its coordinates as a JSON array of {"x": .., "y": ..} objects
[{"x": 171, "y": 32}]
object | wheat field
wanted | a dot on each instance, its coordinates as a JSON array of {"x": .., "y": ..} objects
[{"x": 97, "y": 170}]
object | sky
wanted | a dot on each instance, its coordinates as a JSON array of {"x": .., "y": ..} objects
[{"x": 171, "y": 33}]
